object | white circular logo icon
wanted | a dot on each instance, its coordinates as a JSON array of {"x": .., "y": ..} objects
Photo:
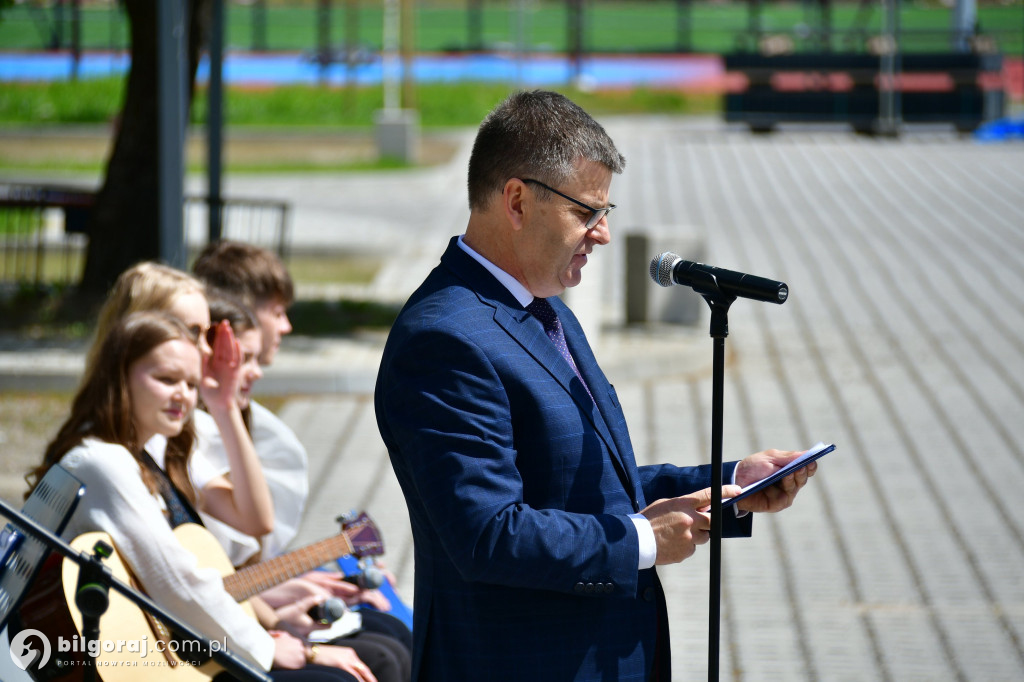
[{"x": 22, "y": 652}]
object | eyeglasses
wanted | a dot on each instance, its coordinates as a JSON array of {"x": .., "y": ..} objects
[
  {"x": 209, "y": 332},
  {"x": 595, "y": 213}
]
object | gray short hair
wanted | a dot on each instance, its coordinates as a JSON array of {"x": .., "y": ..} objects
[{"x": 538, "y": 134}]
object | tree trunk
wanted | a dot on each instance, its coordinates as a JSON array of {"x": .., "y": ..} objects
[{"x": 124, "y": 226}]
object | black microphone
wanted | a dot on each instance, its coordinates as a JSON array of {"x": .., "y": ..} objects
[
  {"x": 668, "y": 269},
  {"x": 370, "y": 578},
  {"x": 328, "y": 611}
]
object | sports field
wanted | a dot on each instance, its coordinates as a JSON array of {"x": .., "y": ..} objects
[{"x": 607, "y": 26}]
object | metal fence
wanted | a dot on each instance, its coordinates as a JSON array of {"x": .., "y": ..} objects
[
  {"x": 43, "y": 237},
  {"x": 41, "y": 234},
  {"x": 352, "y": 29}
]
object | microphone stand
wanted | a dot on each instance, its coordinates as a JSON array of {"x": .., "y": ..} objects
[
  {"x": 94, "y": 581},
  {"x": 705, "y": 284}
]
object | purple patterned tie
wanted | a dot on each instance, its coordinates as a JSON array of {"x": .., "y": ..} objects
[{"x": 542, "y": 310}]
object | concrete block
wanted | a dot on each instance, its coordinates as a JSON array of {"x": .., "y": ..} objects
[
  {"x": 397, "y": 134},
  {"x": 586, "y": 299},
  {"x": 645, "y": 300}
]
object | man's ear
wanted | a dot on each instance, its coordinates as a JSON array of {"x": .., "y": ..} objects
[{"x": 513, "y": 197}]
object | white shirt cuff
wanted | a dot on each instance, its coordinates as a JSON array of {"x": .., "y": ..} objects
[{"x": 648, "y": 545}]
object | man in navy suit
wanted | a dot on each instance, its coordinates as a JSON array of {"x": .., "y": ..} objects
[{"x": 536, "y": 534}]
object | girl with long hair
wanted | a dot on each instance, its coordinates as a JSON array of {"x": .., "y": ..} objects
[{"x": 143, "y": 382}]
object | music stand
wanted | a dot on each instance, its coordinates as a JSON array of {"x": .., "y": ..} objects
[
  {"x": 51, "y": 505},
  {"x": 27, "y": 540}
]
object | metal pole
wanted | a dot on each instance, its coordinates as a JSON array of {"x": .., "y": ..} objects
[
  {"x": 324, "y": 37},
  {"x": 890, "y": 106},
  {"x": 474, "y": 25},
  {"x": 351, "y": 40},
  {"x": 215, "y": 125},
  {"x": 407, "y": 48},
  {"x": 259, "y": 26},
  {"x": 522, "y": 44},
  {"x": 719, "y": 302},
  {"x": 76, "y": 37},
  {"x": 826, "y": 25},
  {"x": 390, "y": 59},
  {"x": 684, "y": 26},
  {"x": 171, "y": 41},
  {"x": 965, "y": 17},
  {"x": 57, "y": 33},
  {"x": 715, "y": 585},
  {"x": 575, "y": 39}
]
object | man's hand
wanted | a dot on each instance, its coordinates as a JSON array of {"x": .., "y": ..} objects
[
  {"x": 682, "y": 523},
  {"x": 776, "y": 497}
]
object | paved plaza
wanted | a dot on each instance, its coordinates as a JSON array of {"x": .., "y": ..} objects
[{"x": 902, "y": 342}]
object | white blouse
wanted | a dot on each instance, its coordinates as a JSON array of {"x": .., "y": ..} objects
[
  {"x": 117, "y": 502},
  {"x": 285, "y": 466}
]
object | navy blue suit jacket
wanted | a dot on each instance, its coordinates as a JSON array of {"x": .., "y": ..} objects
[{"x": 519, "y": 488}]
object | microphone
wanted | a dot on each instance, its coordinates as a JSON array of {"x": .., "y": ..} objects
[
  {"x": 370, "y": 578},
  {"x": 328, "y": 611},
  {"x": 668, "y": 269}
]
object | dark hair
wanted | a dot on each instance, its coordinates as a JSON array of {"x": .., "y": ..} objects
[
  {"x": 540, "y": 135},
  {"x": 226, "y": 307},
  {"x": 102, "y": 407},
  {"x": 241, "y": 319},
  {"x": 251, "y": 274}
]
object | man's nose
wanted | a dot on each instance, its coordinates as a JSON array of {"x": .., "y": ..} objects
[{"x": 601, "y": 233}]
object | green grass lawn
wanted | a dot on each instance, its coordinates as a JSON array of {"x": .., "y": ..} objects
[{"x": 312, "y": 106}]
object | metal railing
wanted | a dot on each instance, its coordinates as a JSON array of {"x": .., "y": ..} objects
[
  {"x": 337, "y": 29},
  {"x": 43, "y": 238}
]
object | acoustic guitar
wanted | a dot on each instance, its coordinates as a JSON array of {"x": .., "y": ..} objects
[{"x": 140, "y": 645}]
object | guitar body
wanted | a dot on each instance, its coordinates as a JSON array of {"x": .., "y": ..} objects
[
  {"x": 146, "y": 650},
  {"x": 124, "y": 621}
]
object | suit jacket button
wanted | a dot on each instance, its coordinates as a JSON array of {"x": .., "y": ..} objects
[
  {"x": 609, "y": 588},
  {"x": 649, "y": 594},
  {"x": 578, "y": 588},
  {"x": 590, "y": 588}
]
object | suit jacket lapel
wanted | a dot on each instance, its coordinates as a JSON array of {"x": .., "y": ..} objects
[
  {"x": 607, "y": 403},
  {"x": 529, "y": 334}
]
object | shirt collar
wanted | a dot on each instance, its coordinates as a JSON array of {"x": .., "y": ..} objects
[{"x": 514, "y": 286}]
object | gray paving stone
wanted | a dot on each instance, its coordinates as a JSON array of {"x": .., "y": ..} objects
[{"x": 902, "y": 342}]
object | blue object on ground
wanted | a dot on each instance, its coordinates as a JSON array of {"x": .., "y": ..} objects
[{"x": 1000, "y": 130}]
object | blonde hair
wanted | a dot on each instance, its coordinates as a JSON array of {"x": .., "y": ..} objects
[{"x": 144, "y": 286}]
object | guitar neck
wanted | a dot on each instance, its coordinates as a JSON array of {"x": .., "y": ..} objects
[{"x": 251, "y": 580}]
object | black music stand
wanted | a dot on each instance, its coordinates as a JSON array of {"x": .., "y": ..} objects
[{"x": 27, "y": 540}]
